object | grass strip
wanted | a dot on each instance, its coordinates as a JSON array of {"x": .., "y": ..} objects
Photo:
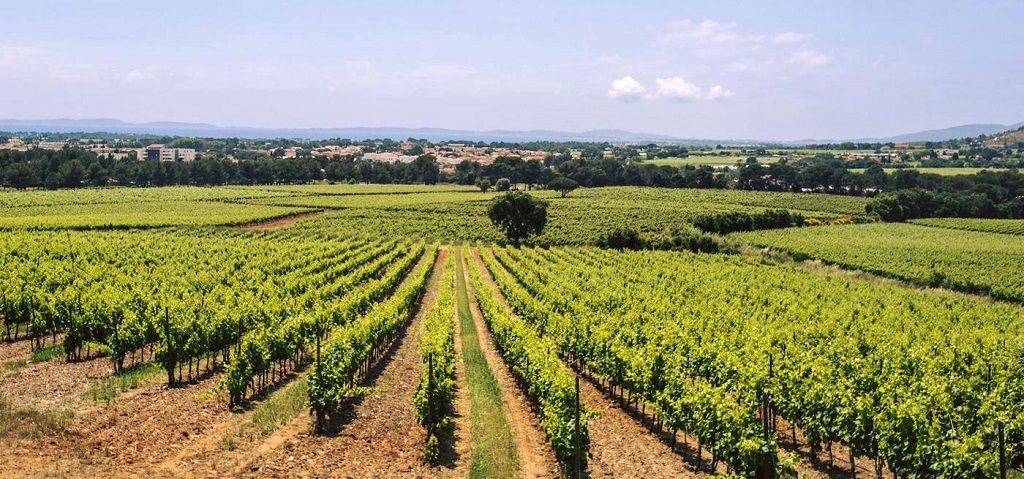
[{"x": 494, "y": 451}]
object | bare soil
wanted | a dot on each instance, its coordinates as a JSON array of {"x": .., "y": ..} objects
[
  {"x": 53, "y": 384},
  {"x": 19, "y": 349},
  {"x": 280, "y": 223},
  {"x": 381, "y": 437},
  {"x": 817, "y": 466},
  {"x": 131, "y": 437}
]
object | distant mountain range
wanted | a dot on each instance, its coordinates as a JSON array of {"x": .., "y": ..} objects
[
  {"x": 962, "y": 131},
  {"x": 167, "y": 128}
]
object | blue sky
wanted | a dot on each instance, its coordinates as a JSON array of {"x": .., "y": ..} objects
[{"x": 712, "y": 69}]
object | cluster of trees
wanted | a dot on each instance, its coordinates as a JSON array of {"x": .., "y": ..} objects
[
  {"x": 733, "y": 221},
  {"x": 513, "y": 168},
  {"x": 919, "y": 203},
  {"x": 995, "y": 194},
  {"x": 989, "y": 194},
  {"x": 75, "y": 167},
  {"x": 823, "y": 173}
]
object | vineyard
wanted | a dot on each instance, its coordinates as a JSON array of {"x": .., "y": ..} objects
[
  {"x": 1010, "y": 227},
  {"x": 578, "y": 219},
  {"x": 143, "y": 333},
  {"x": 707, "y": 341},
  {"x": 968, "y": 261}
]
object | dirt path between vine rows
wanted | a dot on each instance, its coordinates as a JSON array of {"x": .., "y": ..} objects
[
  {"x": 536, "y": 458},
  {"x": 462, "y": 438},
  {"x": 280, "y": 223},
  {"x": 381, "y": 437},
  {"x": 619, "y": 446}
]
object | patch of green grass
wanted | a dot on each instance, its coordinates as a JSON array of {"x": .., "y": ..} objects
[
  {"x": 47, "y": 353},
  {"x": 28, "y": 423},
  {"x": 494, "y": 451},
  {"x": 107, "y": 389},
  {"x": 281, "y": 406},
  {"x": 945, "y": 171},
  {"x": 13, "y": 365}
]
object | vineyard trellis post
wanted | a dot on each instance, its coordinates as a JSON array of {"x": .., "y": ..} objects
[
  {"x": 319, "y": 376},
  {"x": 576, "y": 431},
  {"x": 430, "y": 395},
  {"x": 1002, "y": 450}
]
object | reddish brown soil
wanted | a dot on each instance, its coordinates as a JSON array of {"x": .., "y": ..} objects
[
  {"x": 54, "y": 384},
  {"x": 381, "y": 437},
  {"x": 536, "y": 458},
  {"x": 19, "y": 349},
  {"x": 815, "y": 468},
  {"x": 280, "y": 223},
  {"x": 131, "y": 437},
  {"x": 619, "y": 445}
]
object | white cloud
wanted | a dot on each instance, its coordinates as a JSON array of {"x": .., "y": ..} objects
[
  {"x": 791, "y": 37},
  {"x": 597, "y": 62},
  {"x": 677, "y": 88},
  {"x": 626, "y": 89},
  {"x": 729, "y": 33},
  {"x": 18, "y": 58},
  {"x": 732, "y": 45},
  {"x": 138, "y": 75},
  {"x": 442, "y": 71},
  {"x": 809, "y": 58},
  {"x": 719, "y": 92},
  {"x": 708, "y": 31},
  {"x": 673, "y": 88}
]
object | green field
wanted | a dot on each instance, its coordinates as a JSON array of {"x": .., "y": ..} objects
[
  {"x": 1010, "y": 227},
  {"x": 714, "y": 160},
  {"x": 701, "y": 338},
  {"x": 892, "y": 368},
  {"x": 977, "y": 262},
  {"x": 935, "y": 171},
  {"x": 93, "y": 196},
  {"x": 354, "y": 189},
  {"x": 578, "y": 219},
  {"x": 139, "y": 215}
]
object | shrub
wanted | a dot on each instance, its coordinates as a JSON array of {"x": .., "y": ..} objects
[{"x": 620, "y": 239}]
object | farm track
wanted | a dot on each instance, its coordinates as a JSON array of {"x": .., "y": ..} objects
[
  {"x": 280, "y": 223},
  {"x": 536, "y": 458},
  {"x": 460, "y": 451},
  {"x": 381, "y": 437},
  {"x": 619, "y": 446}
]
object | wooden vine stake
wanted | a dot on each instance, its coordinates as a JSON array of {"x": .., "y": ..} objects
[{"x": 576, "y": 431}]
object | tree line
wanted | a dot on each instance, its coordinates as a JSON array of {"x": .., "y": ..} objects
[{"x": 906, "y": 193}]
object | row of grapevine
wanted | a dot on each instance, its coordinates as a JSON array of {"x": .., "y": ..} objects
[
  {"x": 546, "y": 381},
  {"x": 353, "y": 347},
  {"x": 270, "y": 346},
  {"x": 921, "y": 381},
  {"x": 1004, "y": 226},
  {"x": 647, "y": 371},
  {"x": 435, "y": 392},
  {"x": 973, "y": 262},
  {"x": 185, "y": 295}
]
